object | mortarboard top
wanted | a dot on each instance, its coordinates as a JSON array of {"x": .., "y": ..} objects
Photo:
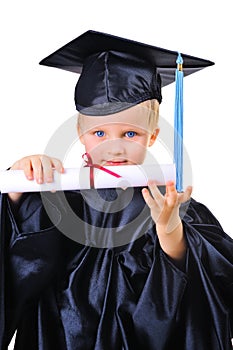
[{"x": 117, "y": 73}]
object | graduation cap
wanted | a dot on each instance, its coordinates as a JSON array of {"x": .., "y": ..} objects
[{"x": 117, "y": 73}]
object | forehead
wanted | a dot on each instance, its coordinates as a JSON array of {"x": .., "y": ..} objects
[{"x": 137, "y": 116}]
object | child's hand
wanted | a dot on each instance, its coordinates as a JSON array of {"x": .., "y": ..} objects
[
  {"x": 165, "y": 213},
  {"x": 165, "y": 209},
  {"x": 39, "y": 167}
]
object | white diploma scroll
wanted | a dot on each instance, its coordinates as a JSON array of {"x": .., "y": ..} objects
[{"x": 79, "y": 178}]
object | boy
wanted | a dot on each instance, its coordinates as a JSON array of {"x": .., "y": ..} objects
[
  {"x": 171, "y": 288},
  {"x": 122, "y": 139}
]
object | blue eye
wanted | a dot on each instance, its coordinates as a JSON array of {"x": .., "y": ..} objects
[
  {"x": 130, "y": 134},
  {"x": 100, "y": 133}
]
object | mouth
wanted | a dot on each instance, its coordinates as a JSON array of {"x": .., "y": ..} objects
[{"x": 116, "y": 162}]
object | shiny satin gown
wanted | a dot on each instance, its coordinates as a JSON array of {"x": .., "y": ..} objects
[{"x": 85, "y": 271}]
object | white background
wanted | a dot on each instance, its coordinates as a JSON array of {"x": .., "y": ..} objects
[{"x": 36, "y": 100}]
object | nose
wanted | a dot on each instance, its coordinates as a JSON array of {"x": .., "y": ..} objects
[{"x": 116, "y": 147}]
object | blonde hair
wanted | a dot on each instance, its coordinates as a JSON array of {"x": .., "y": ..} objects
[
  {"x": 153, "y": 114},
  {"x": 153, "y": 106}
]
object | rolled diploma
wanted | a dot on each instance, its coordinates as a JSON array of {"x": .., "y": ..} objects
[{"x": 79, "y": 178}]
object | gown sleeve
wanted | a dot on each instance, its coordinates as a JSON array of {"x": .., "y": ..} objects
[
  {"x": 27, "y": 260},
  {"x": 208, "y": 299},
  {"x": 3, "y": 239}
]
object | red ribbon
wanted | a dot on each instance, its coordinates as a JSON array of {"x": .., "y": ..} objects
[{"x": 87, "y": 158}]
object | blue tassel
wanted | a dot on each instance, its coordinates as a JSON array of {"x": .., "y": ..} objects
[{"x": 178, "y": 125}]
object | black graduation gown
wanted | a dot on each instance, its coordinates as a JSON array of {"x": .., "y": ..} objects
[{"x": 72, "y": 293}]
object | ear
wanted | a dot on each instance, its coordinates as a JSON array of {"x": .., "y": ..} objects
[{"x": 153, "y": 137}]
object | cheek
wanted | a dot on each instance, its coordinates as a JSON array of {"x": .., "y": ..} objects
[
  {"x": 95, "y": 148},
  {"x": 137, "y": 150},
  {"x": 139, "y": 145},
  {"x": 89, "y": 142}
]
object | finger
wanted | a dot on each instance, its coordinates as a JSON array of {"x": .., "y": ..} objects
[
  {"x": 47, "y": 168},
  {"x": 186, "y": 195},
  {"x": 27, "y": 168},
  {"x": 37, "y": 169},
  {"x": 16, "y": 166},
  {"x": 157, "y": 195},
  {"x": 25, "y": 165},
  {"x": 170, "y": 185},
  {"x": 171, "y": 194},
  {"x": 57, "y": 164},
  {"x": 148, "y": 199}
]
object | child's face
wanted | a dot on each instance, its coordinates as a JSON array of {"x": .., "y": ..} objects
[{"x": 117, "y": 139}]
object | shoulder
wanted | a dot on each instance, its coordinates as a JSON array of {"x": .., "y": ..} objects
[{"x": 197, "y": 213}]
